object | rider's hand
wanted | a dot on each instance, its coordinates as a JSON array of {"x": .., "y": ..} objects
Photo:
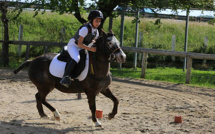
[
  {"x": 93, "y": 49},
  {"x": 93, "y": 41}
]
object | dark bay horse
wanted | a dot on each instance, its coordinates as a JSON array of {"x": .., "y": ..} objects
[{"x": 38, "y": 72}]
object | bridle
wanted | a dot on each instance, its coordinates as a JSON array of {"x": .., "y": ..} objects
[{"x": 112, "y": 49}]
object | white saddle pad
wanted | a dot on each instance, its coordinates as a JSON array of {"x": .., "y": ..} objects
[{"x": 57, "y": 68}]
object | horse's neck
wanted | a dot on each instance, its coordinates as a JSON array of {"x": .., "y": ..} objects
[{"x": 101, "y": 66}]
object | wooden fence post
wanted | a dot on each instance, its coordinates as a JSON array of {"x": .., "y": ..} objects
[
  {"x": 144, "y": 65},
  {"x": 205, "y": 47},
  {"x": 27, "y": 52},
  {"x": 45, "y": 49},
  {"x": 173, "y": 45},
  {"x": 20, "y": 39},
  {"x": 189, "y": 67}
]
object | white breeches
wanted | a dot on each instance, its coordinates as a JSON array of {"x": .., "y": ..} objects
[{"x": 73, "y": 50}]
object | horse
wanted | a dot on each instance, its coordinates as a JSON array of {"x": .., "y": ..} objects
[{"x": 38, "y": 71}]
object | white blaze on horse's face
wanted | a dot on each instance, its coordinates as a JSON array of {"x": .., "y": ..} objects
[{"x": 114, "y": 46}]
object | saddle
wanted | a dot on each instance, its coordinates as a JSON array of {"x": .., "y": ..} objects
[{"x": 65, "y": 57}]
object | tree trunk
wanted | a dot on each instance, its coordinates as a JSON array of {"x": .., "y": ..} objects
[{"x": 5, "y": 46}]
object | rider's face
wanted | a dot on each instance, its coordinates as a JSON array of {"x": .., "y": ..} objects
[{"x": 97, "y": 22}]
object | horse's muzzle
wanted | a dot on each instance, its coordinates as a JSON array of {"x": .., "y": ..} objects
[{"x": 120, "y": 57}]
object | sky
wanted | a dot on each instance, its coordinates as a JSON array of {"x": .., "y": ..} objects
[{"x": 194, "y": 13}]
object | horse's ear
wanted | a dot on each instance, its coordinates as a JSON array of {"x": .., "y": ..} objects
[{"x": 111, "y": 33}]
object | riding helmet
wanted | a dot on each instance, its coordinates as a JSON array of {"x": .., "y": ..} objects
[{"x": 95, "y": 14}]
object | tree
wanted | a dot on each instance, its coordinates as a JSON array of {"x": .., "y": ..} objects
[
  {"x": 5, "y": 45},
  {"x": 77, "y": 7}
]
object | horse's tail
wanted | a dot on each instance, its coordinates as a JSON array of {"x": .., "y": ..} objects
[{"x": 25, "y": 64}]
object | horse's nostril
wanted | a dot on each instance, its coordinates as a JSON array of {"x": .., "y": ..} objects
[{"x": 123, "y": 56}]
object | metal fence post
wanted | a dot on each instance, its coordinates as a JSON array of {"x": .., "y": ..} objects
[
  {"x": 110, "y": 23},
  {"x": 140, "y": 44},
  {"x": 136, "y": 38},
  {"x": 122, "y": 30},
  {"x": 20, "y": 39},
  {"x": 186, "y": 38}
]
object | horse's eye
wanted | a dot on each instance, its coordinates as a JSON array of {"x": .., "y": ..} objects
[{"x": 109, "y": 43}]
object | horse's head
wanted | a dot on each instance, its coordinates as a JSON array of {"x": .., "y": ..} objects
[{"x": 111, "y": 46}]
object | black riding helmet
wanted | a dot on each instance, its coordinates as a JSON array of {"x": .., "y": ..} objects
[{"x": 95, "y": 14}]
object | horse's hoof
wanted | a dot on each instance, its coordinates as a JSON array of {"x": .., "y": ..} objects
[
  {"x": 56, "y": 115},
  {"x": 110, "y": 116},
  {"x": 98, "y": 124}
]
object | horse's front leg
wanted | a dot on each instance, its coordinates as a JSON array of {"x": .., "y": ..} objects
[
  {"x": 107, "y": 92},
  {"x": 92, "y": 104}
]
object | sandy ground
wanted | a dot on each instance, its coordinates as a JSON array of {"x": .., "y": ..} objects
[{"x": 145, "y": 107}]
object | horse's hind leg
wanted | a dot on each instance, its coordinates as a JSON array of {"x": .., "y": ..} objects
[
  {"x": 39, "y": 106},
  {"x": 107, "y": 92},
  {"x": 41, "y": 99}
]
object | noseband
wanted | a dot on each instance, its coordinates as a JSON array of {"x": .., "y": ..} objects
[{"x": 114, "y": 50}]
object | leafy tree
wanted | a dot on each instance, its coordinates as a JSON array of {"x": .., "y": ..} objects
[
  {"x": 107, "y": 6},
  {"x": 77, "y": 7}
]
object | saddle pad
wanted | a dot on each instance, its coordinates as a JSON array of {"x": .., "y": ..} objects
[{"x": 57, "y": 68}]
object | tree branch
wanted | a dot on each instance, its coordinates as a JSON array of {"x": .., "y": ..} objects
[{"x": 77, "y": 12}]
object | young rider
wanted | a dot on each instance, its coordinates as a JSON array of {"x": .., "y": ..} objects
[{"x": 86, "y": 34}]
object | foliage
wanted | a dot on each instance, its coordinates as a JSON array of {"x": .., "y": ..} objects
[
  {"x": 107, "y": 6},
  {"x": 211, "y": 22},
  {"x": 47, "y": 27}
]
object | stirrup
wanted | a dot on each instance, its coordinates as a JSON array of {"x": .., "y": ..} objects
[{"x": 65, "y": 81}]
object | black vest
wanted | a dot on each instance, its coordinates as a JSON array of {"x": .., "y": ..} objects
[{"x": 88, "y": 38}]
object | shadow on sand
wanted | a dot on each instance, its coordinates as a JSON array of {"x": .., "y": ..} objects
[{"x": 21, "y": 126}]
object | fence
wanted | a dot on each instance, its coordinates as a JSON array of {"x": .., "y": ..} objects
[{"x": 190, "y": 56}]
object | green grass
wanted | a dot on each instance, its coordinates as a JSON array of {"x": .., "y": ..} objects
[{"x": 174, "y": 75}]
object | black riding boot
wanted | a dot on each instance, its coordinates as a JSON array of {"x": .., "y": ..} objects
[{"x": 66, "y": 81}]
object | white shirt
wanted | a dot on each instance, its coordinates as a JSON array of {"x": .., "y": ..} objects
[{"x": 84, "y": 31}]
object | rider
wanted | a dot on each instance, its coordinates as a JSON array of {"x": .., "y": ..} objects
[{"x": 86, "y": 35}]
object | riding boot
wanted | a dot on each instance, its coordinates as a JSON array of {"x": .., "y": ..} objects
[{"x": 66, "y": 81}]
